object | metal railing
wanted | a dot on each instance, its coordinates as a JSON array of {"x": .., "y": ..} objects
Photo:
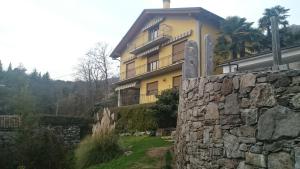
[
  {"x": 162, "y": 63},
  {"x": 10, "y": 121}
]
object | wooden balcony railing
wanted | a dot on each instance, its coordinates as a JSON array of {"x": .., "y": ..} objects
[
  {"x": 162, "y": 63},
  {"x": 10, "y": 121}
]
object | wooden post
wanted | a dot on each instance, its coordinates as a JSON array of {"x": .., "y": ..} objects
[
  {"x": 275, "y": 43},
  {"x": 190, "y": 65}
]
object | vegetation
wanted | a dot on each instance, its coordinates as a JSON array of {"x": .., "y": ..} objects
[
  {"x": 36, "y": 93},
  {"x": 135, "y": 118},
  {"x": 238, "y": 38},
  {"x": 140, "y": 157},
  {"x": 96, "y": 150},
  {"x": 165, "y": 109}
]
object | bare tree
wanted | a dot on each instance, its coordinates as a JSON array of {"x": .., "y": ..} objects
[{"x": 94, "y": 68}]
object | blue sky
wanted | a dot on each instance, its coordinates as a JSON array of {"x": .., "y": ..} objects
[{"x": 51, "y": 35}]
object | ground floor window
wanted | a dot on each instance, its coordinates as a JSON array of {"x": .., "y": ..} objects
[
  {"x": 152, "y": 88},
  {"x": 177, "y": 82}
]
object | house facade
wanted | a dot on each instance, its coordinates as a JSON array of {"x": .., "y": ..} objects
[{"x": 152, "y": 51}]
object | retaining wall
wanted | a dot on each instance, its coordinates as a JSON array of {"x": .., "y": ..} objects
[{"x": 244, "y": 121}]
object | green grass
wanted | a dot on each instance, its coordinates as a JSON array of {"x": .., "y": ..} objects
[{"x": 138, "y": 159}]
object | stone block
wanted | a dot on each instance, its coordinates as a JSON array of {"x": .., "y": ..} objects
[
  {"x": 212, "y": 111},
  {"x": 231, "y": 104},
  {"x": 278, "y": 122},
  {"x": 236, "y": 82},
  {"x": 249, "y": 116},
  {"x": 226, "y": 86},
  {"x": 295, "y": 101},
  {"x": 245, "y": 103},
  {"x": 280, "y": 160},
  {"x": 231, "y": 146},
  {"x": 258, "y": 160},
  {"x": 247, "y": 80},
  {"x": 263, "y": 95},
  {"x": 296, "y": 79}
]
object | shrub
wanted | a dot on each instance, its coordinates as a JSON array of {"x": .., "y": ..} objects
[
  {"x": 165, "y": 109},
  {"x": 97, "y": 149},
  {"x": 135, "y": 118}
]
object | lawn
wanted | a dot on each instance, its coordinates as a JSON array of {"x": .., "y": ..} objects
[{"x": 147, "y": 153}]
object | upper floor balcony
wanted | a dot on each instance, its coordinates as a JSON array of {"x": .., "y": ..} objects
[
  {"x": 150, "y": 39},
  {"x": 154, "y": 66}
]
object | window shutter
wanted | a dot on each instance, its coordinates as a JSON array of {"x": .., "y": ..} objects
[
  {"x": 152, "y": 88},
  {"x": 177, "y": 81},
  {"x": 178, "y": 51},
  {"x": 130, "y": 70}
]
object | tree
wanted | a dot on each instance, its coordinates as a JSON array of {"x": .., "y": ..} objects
[
  {"x": 165, "y": 109},
  {"x": 237, "y": 38},
  {"x": 265, "y": 24},
  {"x": 278, "y": 11}
]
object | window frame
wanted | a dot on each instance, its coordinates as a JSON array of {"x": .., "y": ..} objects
[
  {"x": 152, "y": 92},
  {"x": 180, "y": 83}
]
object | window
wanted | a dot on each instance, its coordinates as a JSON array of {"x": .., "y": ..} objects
[
  {"x": 152, "y": 88},
  {"x": 178, "y": 51},
  {"x": 176, "y": 82},
  {"x": 153, "y": 33},
  {"x": 152, "y": 62},
  {"x": 130, "y": 70}
]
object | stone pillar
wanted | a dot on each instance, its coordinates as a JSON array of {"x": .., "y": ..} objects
[
  {"x": 209, "y": 63},
  {"x": 190, "y": 67}
]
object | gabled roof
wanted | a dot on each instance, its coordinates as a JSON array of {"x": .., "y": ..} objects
[{"x": 147, "y": 14}]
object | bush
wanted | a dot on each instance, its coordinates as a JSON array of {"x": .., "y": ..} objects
[
  {"x": 165, "y": 109},
  {"x": 168, "y": 160},
  {"x": 41, "y": 148},
  {"x": 97, "y": 149},
  {"x": 135, "y": 118}
]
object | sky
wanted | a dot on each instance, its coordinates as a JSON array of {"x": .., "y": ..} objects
[{"x": 52, "y": 35}]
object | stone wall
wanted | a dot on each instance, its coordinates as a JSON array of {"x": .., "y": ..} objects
[{"x": 243, "y": 121}]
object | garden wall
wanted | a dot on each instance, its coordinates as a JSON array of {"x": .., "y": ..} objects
[{"x": 244, "y": 121}]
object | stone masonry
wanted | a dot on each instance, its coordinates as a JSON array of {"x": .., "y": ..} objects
[{"x": 240, "y": 121}]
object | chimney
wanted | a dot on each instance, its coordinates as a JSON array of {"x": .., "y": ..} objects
[{"x": 166, "y": 4}]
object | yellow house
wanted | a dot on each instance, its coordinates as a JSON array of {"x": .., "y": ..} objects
[{"x": 152, "y": 51}]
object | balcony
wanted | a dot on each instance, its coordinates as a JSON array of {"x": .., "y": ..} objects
[
  {"x": 163, "y": 65},
  {"x": 159, "y": 37}
]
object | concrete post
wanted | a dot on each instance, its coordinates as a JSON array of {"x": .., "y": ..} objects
[
  {"x": 190, "y": 65},
  {"x": 275, "y": 43}
]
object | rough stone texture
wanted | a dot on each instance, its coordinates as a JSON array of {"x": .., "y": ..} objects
[
  {"x": 257, "y": 160},
  {"x": 278, "y": 122},
  {"x": 263, "y": 95},
  {"x": 280, "y": 160},
  {"x": 231, "y": 104},
  {"x": 244, "y": 121}
]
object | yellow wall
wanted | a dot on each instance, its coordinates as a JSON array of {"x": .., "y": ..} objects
[
  {"x": 164, "y": 82},
  {"x": 178, "y": 26}
]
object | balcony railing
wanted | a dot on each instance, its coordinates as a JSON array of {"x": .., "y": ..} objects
[
  {"x": 10, "y": 121},
  {"x": 137, "y": 98},
  {"x": 163, "y": 35},
  {"x": 162, "y": 63}
]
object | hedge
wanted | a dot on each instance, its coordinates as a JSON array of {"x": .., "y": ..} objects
[{"x": 135, "y": 118}]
